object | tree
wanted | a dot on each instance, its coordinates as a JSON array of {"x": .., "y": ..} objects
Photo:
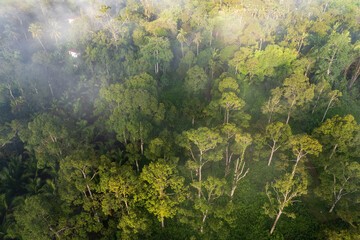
[
  {"x": 48, "y": 137},
  {"x": 36, "y": 32},
  {"x": 197, "y": 40},
  {"x": 55, "y": 33},
  {"x": 283, "y": 193},
  {"x": 229, "y": 131},
  {"x": 79, "y": 170},
  {"x": 337, "y": 135},
  {"x": 157, "y": 51},
  {"x": 242, "y": 143},
  {"x": 302, "y": 145},
  {"x": 134, "y": 109},
  {"x": 225, "y": 96},
  {"x": 195, "y": 84},
  {"x": 119, "y": 187},
  {"x": 195, "y": 81},
  {"x": 163, "y": 189},
  {"x": 333, "y": 58},
  {"x": 297, "y": 92},
  {"x": 334, "y": 95},
  {"x": 277, "y": 135},
  {"x": 181, "y": 37},
  {"x": 339, "y": 180},
  {"x": 273, "y": 104},
  {"x": 212, "y": 189},
  {"x": 199, "y": 142}
]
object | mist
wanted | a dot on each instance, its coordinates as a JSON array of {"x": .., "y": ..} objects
[{"x": 179, "y": 119}]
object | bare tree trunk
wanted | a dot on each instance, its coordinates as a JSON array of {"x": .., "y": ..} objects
[
  {"x": 41, "y": 43},
  {"x": 331, "y": 61},
  {"x": 203, "y": 221},
  {"x": 300, "y": 44},
  {"x": 137, "y": 165},
  {"x": 11, "y": 94},
  {"x": 296, "y": 163},
  {"x": 317, "y": 101},
  {"x": 141, "y": 140},
  {"x": 269, "y": 121},
  {"x": 276, "y": 220},
  {"x": 327, "y": 108},
  {"x": 226, "y": 159},
  {"x": 199, "y": 193},
  {"x": 272, "y": 153},
  {"x": 334, "y": 204},
  {"x": 288, "y": 117},
  {"x": 51, "y": 90},
  {"x": 227, "y": 115},
  {"x": 162, "y": 222}
]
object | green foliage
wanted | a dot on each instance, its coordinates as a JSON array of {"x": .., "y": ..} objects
[
  {"x": 163, "y": 189},
  {"x": 170, "y": 110}
]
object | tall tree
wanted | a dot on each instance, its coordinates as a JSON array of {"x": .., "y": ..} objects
[
  {"x": 163, "y": 189},
  {"x": 277, "y": 135},
  {"x": 297, "y": 92},
  {"x": 157, "y": 51},
  {"x": 199, "y": 142},
  {"x": 36, "y": 32}
]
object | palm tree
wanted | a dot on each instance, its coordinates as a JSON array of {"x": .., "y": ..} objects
[
  {"x": 197, "y": 40},
  {"x": 36, "y": 32},
  {"x": 54, "y": 31},
  {"x": 181, "y": 38}
]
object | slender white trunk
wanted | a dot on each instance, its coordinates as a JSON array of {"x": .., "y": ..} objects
[
  {"x": 276, "y": 220},
  {"x": 328, "y": 106}
]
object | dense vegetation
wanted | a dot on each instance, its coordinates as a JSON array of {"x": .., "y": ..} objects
[{"x": 179, "y": 119}]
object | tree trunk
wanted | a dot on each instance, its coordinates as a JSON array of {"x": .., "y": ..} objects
[
  {"x": 182, "y": 49},
  {"x": 300, "y": 44},
  {"x": 203, "y": 221},
  {"x": 272, "y": 153},
  {"x": 276, "y": 220},
  {"x": 124, "y": 135},
  {"x": 331, "y": 61},
  {"x": 141, "y": 140},
  {"x": 328, "y": 106},
  {"x": 296, "y": 163},
  {"x": 137, "y": 165},
  {"x": 355, "y": 76},
  {"x": 226, "y": 160},
  {"x": 51, "y": 90},
  {"x": 333, "y": 206},
  {"x": 197, "y": 49},
  {"x": 162, "y": 222},
  {"x": 200, "y": 168},
  {"x": 269, "y": 121},
  {"x": 317, "y": 101},
  {"x": 42, "y": 44},
  {"x": 288, "y": 117},
  {"x": 227, "y": 115},
  {"x": 232, "y": 192},
  {"x": 11, "y": 94},
  {"x": 333, "y": 151}
]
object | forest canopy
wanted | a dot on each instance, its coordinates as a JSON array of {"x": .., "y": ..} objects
[{"x": 179, "y": 119}]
